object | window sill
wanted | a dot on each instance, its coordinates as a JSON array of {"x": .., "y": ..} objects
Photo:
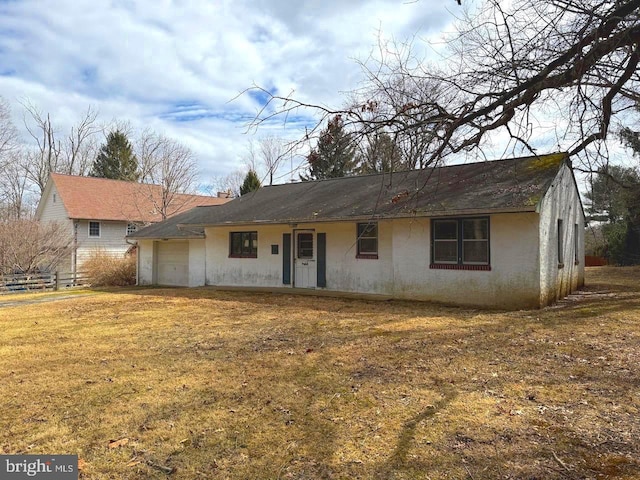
[
  {"x": 455, "y": 266},
  {"x": 243, "y": 256},
  {"x": 368, "y": 256}
]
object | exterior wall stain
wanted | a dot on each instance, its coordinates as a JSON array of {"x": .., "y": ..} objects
[
  {"x": 561, "y": 202},
  {"x": 523, "y": 257}
]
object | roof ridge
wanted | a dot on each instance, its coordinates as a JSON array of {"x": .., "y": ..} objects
[
  {"x": 438, "y": 167},
  {"x": 127, "y": 182},
  {"x": 89, "y": 177}
]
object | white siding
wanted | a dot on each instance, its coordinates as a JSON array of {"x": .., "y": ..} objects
[
  {"x": 562, "y": 201},
  {"x": 53, "y": 210},
  {"x": 111, "y": 241}
]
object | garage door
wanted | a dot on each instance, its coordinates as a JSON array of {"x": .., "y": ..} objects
[{"x": 173, "y": 263}]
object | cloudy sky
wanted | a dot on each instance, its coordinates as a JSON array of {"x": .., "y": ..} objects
[{"x": 177, "y": 66}]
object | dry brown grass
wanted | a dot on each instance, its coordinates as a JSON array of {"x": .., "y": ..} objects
[{"x": 233, "y": 385}]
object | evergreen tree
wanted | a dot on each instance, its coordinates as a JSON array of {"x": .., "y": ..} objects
[
  {"x": 380, "y": 155},
  {"x": 631, "y": 139},
  {"x": 611, "y": 193},
  {"x": 334, "y": 153},
  {"x": 116, "y": 159},
  {"x": 251, "y": 183},
  {"x": 615, "y": 199}
]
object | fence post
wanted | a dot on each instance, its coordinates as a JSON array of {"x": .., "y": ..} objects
[{"x": 57, "y": 276}]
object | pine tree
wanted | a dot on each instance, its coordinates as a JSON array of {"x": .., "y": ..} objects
[
  {"x": 333, "y": 155},
  {"x": 380, "y": 155},
  {"x": 251, "y": 183},
  {"x": 116, "y": 159}
]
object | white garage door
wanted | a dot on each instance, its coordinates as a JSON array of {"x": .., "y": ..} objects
[{"x": 173, "y": 263}]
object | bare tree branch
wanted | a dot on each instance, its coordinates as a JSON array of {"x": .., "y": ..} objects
[
  {"x": 168, "y": 163},
  {"x": 573, "y": 62}
]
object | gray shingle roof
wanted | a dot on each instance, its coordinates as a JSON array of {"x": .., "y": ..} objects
[{"x": 503, "y": 185}]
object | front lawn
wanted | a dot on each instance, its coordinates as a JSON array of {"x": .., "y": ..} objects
[{"x": 195, "y": 383}]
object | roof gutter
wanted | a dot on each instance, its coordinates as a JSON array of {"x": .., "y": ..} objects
[
  {"x": 448, "y": 213},
  {"x": 171, "y": 237}
]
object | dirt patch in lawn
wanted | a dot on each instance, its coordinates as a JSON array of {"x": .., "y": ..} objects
[{"x": 195, "y": 383}]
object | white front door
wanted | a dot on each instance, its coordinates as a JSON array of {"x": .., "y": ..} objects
[{"x": 305, "y": 259}]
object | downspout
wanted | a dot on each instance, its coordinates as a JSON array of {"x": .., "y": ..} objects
[
  {"x": 74, "y": 253},
  {"x": 135, "y": 244}
]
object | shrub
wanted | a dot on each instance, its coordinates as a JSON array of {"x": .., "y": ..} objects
[{"x": 108, "y": 270}]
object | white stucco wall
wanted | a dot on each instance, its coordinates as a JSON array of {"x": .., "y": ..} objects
[
  {"x": 512, "y": 282},
  {"x": 402, "y": 267},
  {"x": 197, "y": 263},
  {"x": 145, "y": 262},
  {"x": 264, "y": 271},
  {"x": 347, "y": 273},
  {"x": 562, "y": 201}
]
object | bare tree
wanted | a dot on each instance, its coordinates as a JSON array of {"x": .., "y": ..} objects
[
  {"x": 8, "y": 152},
  {"x": 27, "y": 245},
  {"x": 8, "y": 133},
  {"x": 71, "y": 154},
  {"x": 82, "y": 144},
  {"x": 228, "y": 183},
  {"x": 272, "y": 152},
  {"x": 168, "y": 163},
  {"x": 14, "y": 189},
  {"x": 45, "y": 157},
  {"x": 508, "y": 67}
]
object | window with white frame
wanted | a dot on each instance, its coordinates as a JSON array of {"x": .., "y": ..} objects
[{"x": 94, "y": 229}]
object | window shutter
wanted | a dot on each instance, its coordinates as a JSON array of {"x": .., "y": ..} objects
[
  {"x": 322, "y": 260},
  {"x": 286, "y": 258}
]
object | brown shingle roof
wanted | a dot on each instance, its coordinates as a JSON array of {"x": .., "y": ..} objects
[{"x": 93, "y": 198}]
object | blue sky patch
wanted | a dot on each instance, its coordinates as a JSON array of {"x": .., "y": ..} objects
[
  {"x": 261, "y": 97},
  {"x": 194, "y": 111}
]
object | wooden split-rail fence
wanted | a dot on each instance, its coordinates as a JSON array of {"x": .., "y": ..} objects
[{"x": 42, "y": 281}]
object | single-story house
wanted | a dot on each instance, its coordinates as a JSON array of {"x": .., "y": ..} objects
[
  {"x": 100, "y": 212},
  {"x": 505, "y": 234}
]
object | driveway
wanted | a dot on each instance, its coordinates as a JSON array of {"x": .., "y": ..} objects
[{"x": 8, "y": 301}]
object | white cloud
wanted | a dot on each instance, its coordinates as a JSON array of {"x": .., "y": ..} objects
[{"x": 174, "y": 66}]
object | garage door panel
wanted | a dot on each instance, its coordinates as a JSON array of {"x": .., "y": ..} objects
[{"x": 173, "y": 263}]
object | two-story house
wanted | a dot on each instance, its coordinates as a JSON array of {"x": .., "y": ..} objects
[{"x": 101, "y": 212}]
